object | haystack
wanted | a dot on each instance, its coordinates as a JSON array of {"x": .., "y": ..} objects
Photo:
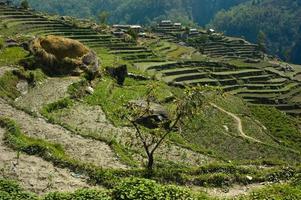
[{"x": 59, "y": 55}]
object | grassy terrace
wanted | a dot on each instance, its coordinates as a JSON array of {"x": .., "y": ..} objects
[
  {"x": 258, "y": 84},
  {"x": 38, "y": 25}
]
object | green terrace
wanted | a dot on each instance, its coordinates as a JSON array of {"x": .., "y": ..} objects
[
  {"x": 23, "y": 21},
  {"x": 256, "y": 85}
]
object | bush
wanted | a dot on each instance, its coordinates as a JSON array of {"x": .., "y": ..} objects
[
  {"x": 60, "y": 104},
  {"x": 24, "y": 4},
  {"x": 84, "y": 194},
  {"x": 215, "y": 180},
  {"x": 144, "y": 189},
  {"x": 1, "y": 43},
  {"x": 9, "y": 190},
  {"x": 78, "y": 90}
]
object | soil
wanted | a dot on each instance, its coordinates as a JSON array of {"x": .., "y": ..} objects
[
  {"x": 49, "y": 91},
  {"x": 83, "y": 149},
  {"x": 35, "y": 174}
]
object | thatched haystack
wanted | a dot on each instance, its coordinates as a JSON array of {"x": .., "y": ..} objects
[{"x": 59, "y": 55}]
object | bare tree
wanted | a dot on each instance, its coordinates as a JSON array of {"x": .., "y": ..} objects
[{"x": 151, "y": 138}]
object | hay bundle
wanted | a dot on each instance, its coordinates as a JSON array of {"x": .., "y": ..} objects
[{"x": 61, "y": 55}]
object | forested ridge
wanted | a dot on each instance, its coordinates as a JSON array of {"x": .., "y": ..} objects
[
  {"x": 278, "y": 22},
  {"x": 137, "y": 11}
]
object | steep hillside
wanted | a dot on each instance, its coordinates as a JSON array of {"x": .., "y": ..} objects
[
  {"x": 137, "y": 11},
  {"x": 213, "y": 117},
  {"x": 279, "y": 21}
]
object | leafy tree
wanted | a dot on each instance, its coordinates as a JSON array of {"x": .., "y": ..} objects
[
  {"x": 103, "y": 17},
  {"x": 261, "y": 41},
  {"x": 151, "y": 139},
  {"x": 133, "y": 34},
  {"x": 24, "y": 4}
]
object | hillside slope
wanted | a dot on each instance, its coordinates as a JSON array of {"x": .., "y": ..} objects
[
  {"x": 137, "y": 11},
  {"x": 280, "y": 21},
  {"x": 78, "y": 127}
]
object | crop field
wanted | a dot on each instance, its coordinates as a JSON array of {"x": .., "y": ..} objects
[
  {"x": 255, "y": 84},
  {"x": 16, "y": 21},
  {"x": 70, "y": 137}
]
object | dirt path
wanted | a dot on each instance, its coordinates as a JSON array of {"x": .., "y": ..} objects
[
  {"x": 83, "y": 149},
  {"x": 238, "y": 121},
  {"x": 35, "y": 174}
]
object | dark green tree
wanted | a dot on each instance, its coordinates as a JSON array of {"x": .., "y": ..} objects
[
  {"x": 24, "y": 4},
  {"x": 103, "y": 17},
  {"x": 261, "y": 41}
]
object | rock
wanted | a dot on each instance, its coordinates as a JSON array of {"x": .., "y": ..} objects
[
  {"x": 11, "y": 43},
  {"x": 250, "y": 60},
  {"x": 119, "y": 73},
  {"x": 156, "y": 114},
  {"x": 62, "y": 56},
  {"x": 89, "y": 90},
  {"x": 250, "y": 178},
  {"x": 22, "y": 87}
]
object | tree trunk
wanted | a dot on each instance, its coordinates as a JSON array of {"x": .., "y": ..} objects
[{"x": 150, "y": 163}]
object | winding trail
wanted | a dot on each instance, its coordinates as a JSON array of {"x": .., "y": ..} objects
[{"x": 238, "y": 121}]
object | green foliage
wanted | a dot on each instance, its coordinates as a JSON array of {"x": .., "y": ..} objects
[
  {"x": 11, "y": 55},
  {"x": 277, "y": 19},
  {"x": 133, "y": 34},
  {"x": 58, "y": 105},
  {"x": 77, "y": 90},
  {"x": 144, "y": 189},
  {"x": 8, "y": 84},
  {"x": 113, "y": 99},
  {"x": 24, "y": 4},
  {"x": 138, "y": 11},
  {"x": 10, "y": 190},
  {"x": 276, "y": 192},
  {"x": 1, "y": 43},
  {"x": 282, "y": 127},
  {"x": 103, "y": 17},
  {"x": 84, "y": 194}
]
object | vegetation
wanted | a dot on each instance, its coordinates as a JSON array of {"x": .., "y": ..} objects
[
  {"x": 278, "y": 20},
  {"x": 12, "y": 55},
  {"x": 217, "y": 139},
  {"x": 151, "y": 139}
]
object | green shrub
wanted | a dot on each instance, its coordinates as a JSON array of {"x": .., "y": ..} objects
[
  {"x": 215, "y": 180},
  {"x": 10, "y": 190},
  {"x": 78, "y": 90},
  {"x": 8, "y": 84},
  {"x": 12, "y": 55},
  {"x": 24, "y": 4},
  {"x": 1, "y": 43},
  {"x": 84, "y": 194},
  {"x": 60, "y": 104},
  {"x": 283, "y": 128},
  {"x": 276, "y": 192},
  {"x": 144, "y": 189}
]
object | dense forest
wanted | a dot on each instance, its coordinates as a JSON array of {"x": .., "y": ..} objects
[
  {"x": 278, "y": 23},
  {"x": 137, "y": 11}
]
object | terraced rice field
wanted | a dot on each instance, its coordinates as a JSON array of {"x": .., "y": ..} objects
[
  {"x": 222, "y": 46},
  {"x": 256, "y": 85},
  {"x": 27, "y": 22}
]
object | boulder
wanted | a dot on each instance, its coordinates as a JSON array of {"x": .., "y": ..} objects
[
  {"x": 58, "y": 55},
  {"x": 119, "y": 73},
  {"x": 155, "y": 116}
]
